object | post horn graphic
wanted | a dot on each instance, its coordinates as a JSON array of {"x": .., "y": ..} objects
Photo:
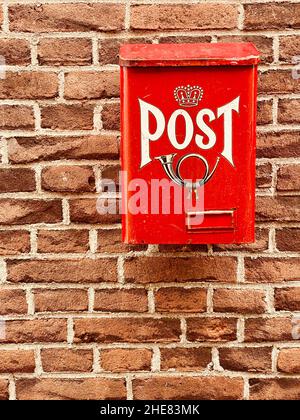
[{"x": 175, "y": 176}]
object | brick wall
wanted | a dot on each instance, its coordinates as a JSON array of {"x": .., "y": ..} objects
[{"x": 83, "y": 316}]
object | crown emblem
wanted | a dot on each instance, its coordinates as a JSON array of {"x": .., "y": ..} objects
[{"x": 188, "y": 95}]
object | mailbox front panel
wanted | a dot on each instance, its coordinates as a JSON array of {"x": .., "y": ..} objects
[{"x": 193, "y": 126}]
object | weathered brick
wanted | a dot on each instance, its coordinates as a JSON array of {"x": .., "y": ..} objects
[
  {"x": 282, "y": 144},
  {"x": 14, "y": 242},
  {"x": 287, "y": 299},
  {"x": 109, "y": 48},
  {"x": 110, "y": 116},
  {"x": 16, "y": 52},
  {"x": 109, "y": 240},
  {"x": 68, "y": 178},
  {"x": 272, "y": 15},
  {"x": 3, "y": 389},
  {"x": 112, "y": 174},
  {"x": 60, "y": 300},
  {"x": 188, "y": 388},
  {"x": 17, "y": 361},
  {"x": 62, "y": 271},
  {"x": 66, "y": 17},
  {"x": 91, "y": 85},
  {"x": 275, "y": 389},
  {"x": 124, "y": 300},
  {"x": 211, "y": 329},
  {"x": 17, "y": 180},
  {"x": 71, "y": 240},
  {"x": 185, "y": 359},
  {"x": 288, "y": 178},
  {"x": 29, "y": 85},
  {"x": 89, "y": 210},
  {"x": 277, "y": 81},
  {"x": 123, "y": 360},
  {"x": 239, "y": 301},
  {"x": 67, "y": 360},
  {"x": 264, "y": 112},
  {"x": 169, "y": 269},
  {"x": 22, "y": 211},
  {"x": 67, "y": 117},
  {"x": 289, "y": 47},
  {"x": 177, "y": 16},
  {"x": 249, "y": 359},
  {"x": 268, "y": 329},
  {"x": 32, "y": 149},
  {"x": 260, "y": 244},
  {"x": 264, "y": 175},
  {"x": 13, "y": 301},
  {"x": 182, "y": 39},
  {"x": 288, "y": 360},
  {"x": 264, "y": 44},
  {"x": 289, "y": 111},
  {"x": 280, "y": 209},
  {"x": 65, "y": 52},
  {"x": 71, "y": 389},
  {"x": 182, "y": 248},
  {"x": 130, "y": 330},
  {"x": 16, "y": 117},
  {"x": 36, "y": 330},
  {"x": 272, "y": 270},
  {"x": 179, "y": 299},
  {"x": 288, "y": 239}
]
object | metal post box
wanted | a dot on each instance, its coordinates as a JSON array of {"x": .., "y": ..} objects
[{"x": 188, "y": 123}]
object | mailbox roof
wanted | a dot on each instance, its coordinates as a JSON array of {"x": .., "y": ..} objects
[{"x": 204, "y": 54}]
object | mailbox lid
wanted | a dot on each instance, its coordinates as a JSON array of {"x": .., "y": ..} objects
[{"x": 201, "y": 54}]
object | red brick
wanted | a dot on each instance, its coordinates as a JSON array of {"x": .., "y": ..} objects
[
  {"x": 288, "y": 178},
  {"x": 71, "y": 240},
  {"x": 170, "y": 269},
  {"x": 182, "y": 39},
  {"x": 272, "y": 270},
  {"x": 91, "y": 85},
  {"x": 13, "y": 301},
  {"x": 124, "y": 360},
  {"x": 110, "y": 173},
  {"x": 109, "y": 48},
  {"x": 280, "y": 209},
  {"x": 3, "y": 389},
  {"x": 239, "y": 301},
  {"x": 32, "y": 149},
  {"x": 179, "y": 299},
  {"x": 65, "y": 52},
  {"x": 109, "y": 240},
  {"x": 288, "y": 239},
  {"x": 124, "y": 300},
  {"x": 272, "y": 16},
  {"x": 249, "y": 359},
  {"x": 71, "y": 389},
  {"x": 17, "y": 180},
  {"x": 36, "y": 330},
  {"x": 260, "y": 244},
  {"x": 275, "y": 389},
  {"x": 15, "y": 51},
  {"x": 22, "y": 211},
  {"x": 183, "y": 16},
  {"x": 17, "y": 361},
  {"x": 289, "y": 47},
  {"x": 110, "y": 116},
  {"x": 185, "y": 359},
  {"x": 60, "y": 300},
  {"x": 16, "y": 117},
  {"x": 277, "y": 81},
  {"x": 268, "y": 329},
  {"x": 211, "y": 329},
  {"x": 14, "y": 242},
  {"x": 130, "y": 330},
  {"x": 182, "y": 248},
  {"x": 289, "y": 360},
  {"x": 188, "y": 388},
  {"x": 289, "y": 111},
  {"x": 66, "y": 17},
  {"x": 85, "y": 210},
  {"x": 287, "y": 299},
  {"x": 67, "y": 117},
  {"x": 282, "y": 144},
  {"x": 263, "y": 44},
  {"x": 29, "y": 85},
  {"x": 67, "y": 360},
  {"x": 264, "y": 112},
  {"x": 264, "y": 175},
  {"x": 68, "y": 178},
  {"x": 62, "y": 271}
]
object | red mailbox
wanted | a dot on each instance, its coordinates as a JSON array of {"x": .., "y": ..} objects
[{"x": 188, "y": 118}]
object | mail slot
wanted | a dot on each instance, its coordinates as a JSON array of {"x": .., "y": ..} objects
[{"x": 188, "y": 130}]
